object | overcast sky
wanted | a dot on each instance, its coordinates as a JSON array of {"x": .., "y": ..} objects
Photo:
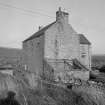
[{"x": 19, "y": 19}]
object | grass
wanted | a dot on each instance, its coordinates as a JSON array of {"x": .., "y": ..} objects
[
  {"x": 49, "y": 94},
  {"x": 55, "y": 95},
  {"x": 98, "y": 61}
]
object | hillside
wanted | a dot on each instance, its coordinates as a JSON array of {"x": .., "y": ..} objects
[
  {"x": 10, "y": 52},
  {"x": 98, "y": 60},
  {"x": 10, "y": 55}
]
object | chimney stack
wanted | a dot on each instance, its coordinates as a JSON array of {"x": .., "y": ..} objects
[{"x": 61, "y": 15}]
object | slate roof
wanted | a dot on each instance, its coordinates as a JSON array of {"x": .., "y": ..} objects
[
  {"x": 83, "y": 39},
  {"x": 39, "y": 33}
]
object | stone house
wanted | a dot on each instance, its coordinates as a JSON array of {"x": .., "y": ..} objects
[{"x": 56, "y": 44}]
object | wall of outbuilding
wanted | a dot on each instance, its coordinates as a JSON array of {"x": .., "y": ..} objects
[{"x": 85, "y": 55}]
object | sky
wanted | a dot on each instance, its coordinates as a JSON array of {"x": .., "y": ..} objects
[{"x": 19, "y": 19}]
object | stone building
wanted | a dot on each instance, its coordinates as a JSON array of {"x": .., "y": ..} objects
[{"x": 55, "y": 44}]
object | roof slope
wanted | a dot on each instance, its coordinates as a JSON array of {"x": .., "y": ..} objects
[
  {"x": 40, "y": 32},
  {"x": 83, "y": 39}
]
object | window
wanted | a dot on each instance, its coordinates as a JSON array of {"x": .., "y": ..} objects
[
  {"x": 83, "y": 56},
  {"x": 83, "y": 51}
]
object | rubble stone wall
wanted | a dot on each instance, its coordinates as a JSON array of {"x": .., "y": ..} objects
[{"x": 33, "y": 54}]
